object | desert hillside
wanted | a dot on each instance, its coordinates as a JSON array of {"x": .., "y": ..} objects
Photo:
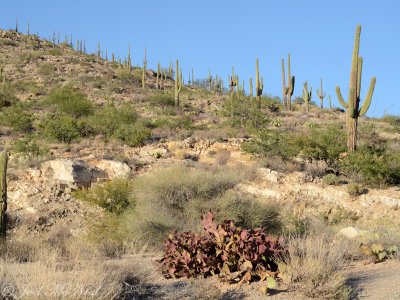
[{"x": 104, "y": 165}]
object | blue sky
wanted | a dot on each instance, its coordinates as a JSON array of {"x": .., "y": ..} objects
[{"x": 220, "y": 34}]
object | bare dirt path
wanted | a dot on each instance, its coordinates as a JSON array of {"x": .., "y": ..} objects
[{"x": 376, "y": 281}]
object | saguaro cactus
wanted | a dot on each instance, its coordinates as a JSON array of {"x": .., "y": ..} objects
[
  {"x": 251, "y": 87},
  {"x": 353, "y": 104},
  {"x": 178, "y": 83},
  {"x": 259, "y": 85},
  {"x": 144, "y": 70},
  {"x": 3, "y": 192},
  {"x": 287, "y": 90},
  {"x": 307, "y": 96},
  {"x": 321, "y": 95}
]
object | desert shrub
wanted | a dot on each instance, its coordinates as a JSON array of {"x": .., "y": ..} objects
[
  {"x": 222, "y": 249},
  {"x": 107, "y": 119},
  {"x": 322, "y": 144},
  {"x": 162, "y": 100},
  {"x": 314, "y": 265},
  {"x": 243, "y": 113},
  {"x": 331, "y": 179},
  {"x": 114, "y": 196},
  {"x": 29, "y": 147},
  {"x": 372, "y": 168},
  {"x": 55, "y": 52},
  {"x": 121, "y": 123},
  {"x": 173, "y": 122},
  {"x": 17, "y": 118},
  {"x": 272, "y": 143},
  {"x": 248, "y": 212},
  {"x": 71, "y": 102},
  {"x": 7, "y": 96},
  {"x": 46, "y": 69},
  {"x": 391, "y": 119},
  {"x": 61, "y": 128},
  {"x": 355, "y": 189},
  {"x": 133, "y": 135}
]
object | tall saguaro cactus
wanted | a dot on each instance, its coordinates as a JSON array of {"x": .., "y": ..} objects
[
  {"x": 287, "y": 90},
  {"x": 259, "y": 86},
  {"x": 3, "y": 192},
  {"x": 354, "y": 111},
  {"x": 321, "y": 95},
  {"x": 178, "y": 83},
  {"x": 251, "y": 88},
  {"x": 307, "y": 96},
  {"x": 144, "y": 70}
]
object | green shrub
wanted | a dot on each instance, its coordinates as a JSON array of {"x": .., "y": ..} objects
[
  {"x": 272, "y": 143},
  {"x": 114, "y": 196},
  {"x": 372, "y": 168},
  {"x": 322, "y": 144},
  {"x": 61, "y": 128},
  {"x": 46, "y": 69},
  {"x": 71, "y": 102},
  {"x": 243, "y": 113},
  {"x": 248, "y": 212},
  {"x": 331, "y": 179},
  {"x": 106, "y": 120},
  {"x": 55, "y": 52},
  {"x": 29, "y": 148},
  {"x": 17, "y": 118},
  {"x": 355, "y": 189},
  {"x": 162, "y": 100},
  {"x": 133, "y": 135},
  {"x": 7, "y": 96}
]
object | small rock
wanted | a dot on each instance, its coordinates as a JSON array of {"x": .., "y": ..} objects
[{"x": 351, "y": 232}]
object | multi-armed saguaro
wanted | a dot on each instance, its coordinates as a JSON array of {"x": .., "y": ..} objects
[
  {"x": 307, "y": 96},
  {"x": 287, "y": 90},
  {"x": 178, "y": 83},
  {"x": 321, "y": 95},
  {"x": 259, "y": 86},
  {"x": 3, "y": 192},
  {"x": 353, "y": 104}
]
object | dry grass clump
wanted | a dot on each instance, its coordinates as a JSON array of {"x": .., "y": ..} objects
[{"x": 315, "y": 263}]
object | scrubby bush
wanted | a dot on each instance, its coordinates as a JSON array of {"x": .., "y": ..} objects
[
  {"x": 322, "y": 144},
  {"x": 70, "y": 101},
  {"x": 272, "y": 143},
  {"x": 61, "y": 128},
  {"x": 114, "y": 196},
  {"x": 121, "y": 123},
  {"x": 355, "y": 189},
  {"x": 367, "y": 166},
  {"x": 162, "y": 100},
  {"x": 331, "y": 179},
  {"x": 133, "y": 135},
  {"x": 30, "y": 148},
  {"x": 46, "y": 69},
  {"x": 243, "y": 113},
  {"x": 7, "y": 96},
  {"x": 17, "y": 118}
]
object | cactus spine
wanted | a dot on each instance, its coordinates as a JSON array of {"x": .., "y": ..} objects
[
  {"x": 144, "y": 70},
  {"x": 3, "y": 191},
  {"x": 321, "y": 95},
  {"x": 178, "y": 83},
  {"x": 307, "y": 96},
  {"x": 354, "y": 111},
  {"x": 287, "y": 90},
  {"x": 259, "y": 85}
]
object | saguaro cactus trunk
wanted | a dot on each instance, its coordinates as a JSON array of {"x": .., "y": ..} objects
[
  {"x": 353, "y": 105},
  {"x": 3, "y": 192},
  {"x": 287, "y": 90}
]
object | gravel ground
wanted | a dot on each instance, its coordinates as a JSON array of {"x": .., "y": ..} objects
[{"x": 376, "y": 281}]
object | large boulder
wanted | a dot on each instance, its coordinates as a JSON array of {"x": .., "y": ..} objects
[
  {"x": 113, "y": 168},
  {"x": 73, "y": 172}
]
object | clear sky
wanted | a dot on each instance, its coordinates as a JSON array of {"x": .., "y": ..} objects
[{"x": 220, "y": 34}]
